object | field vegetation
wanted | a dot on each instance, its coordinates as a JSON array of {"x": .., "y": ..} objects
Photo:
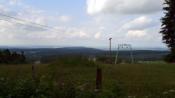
[{"x": 74, "y": 77}]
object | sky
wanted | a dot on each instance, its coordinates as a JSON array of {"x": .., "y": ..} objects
[{"x": 87, "y": 23}]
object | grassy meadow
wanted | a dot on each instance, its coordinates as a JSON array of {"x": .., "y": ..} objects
[{"x": 146, "y": 80}]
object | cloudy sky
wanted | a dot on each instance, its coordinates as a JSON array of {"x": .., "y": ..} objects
[{"x": 86, "y": 23}]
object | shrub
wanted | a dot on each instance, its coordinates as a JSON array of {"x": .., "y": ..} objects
[
  {"x": 170, "y": 58},
  {"x": 75, "y": 61}
]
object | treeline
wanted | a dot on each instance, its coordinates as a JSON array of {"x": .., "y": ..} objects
[{"x": 8, "y": 57}]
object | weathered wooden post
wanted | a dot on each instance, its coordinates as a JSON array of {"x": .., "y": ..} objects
[
  {"x": 99, "y": 79},
  {"x": 33, "y": 72}
]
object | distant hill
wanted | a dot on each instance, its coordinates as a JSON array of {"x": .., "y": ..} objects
[
  {"x": 37, "y": 53},
  {"x": 60, "y": 51}
]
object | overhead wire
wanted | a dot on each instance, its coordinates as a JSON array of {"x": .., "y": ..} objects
[{"x": 27, "y": 22}]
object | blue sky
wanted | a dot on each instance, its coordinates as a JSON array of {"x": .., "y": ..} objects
[{"x": 86, "y": 23}]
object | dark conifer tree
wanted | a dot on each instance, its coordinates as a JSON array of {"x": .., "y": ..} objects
[
  {"x": 8, "y": 57},
  {"x": 168, "y": 28},
  {"x": 23, "y": 58},
  {"x": 1, "y": 56}
]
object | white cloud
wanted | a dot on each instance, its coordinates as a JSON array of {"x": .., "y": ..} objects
[
  {"x": 30, "y": 14},
  {"x": 95, "y": 6},
  {"x": 140, "y": 23},
  {"x": 64, "y": 18},
  {"x": 13, "y": 2},
  {"x": 75, "y": 33},
  {"x": 123, "y": 28},
  {"x": 83, "y": 34},
  {"x": 97, "y": 35},
  {"x": 5, "y": 24},
  {"x": 136, "y": 34},
  {"x": 3, "y": 8},
  {"x": 124, "y": 6}
]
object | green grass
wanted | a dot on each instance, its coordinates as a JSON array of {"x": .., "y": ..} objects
[{"x": 140, "y": 80}]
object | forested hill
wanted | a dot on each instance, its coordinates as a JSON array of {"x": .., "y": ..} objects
[{"x": 50, "y": 52}]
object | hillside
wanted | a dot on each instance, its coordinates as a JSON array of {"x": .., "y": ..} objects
[{"x": 37, "y": 53}]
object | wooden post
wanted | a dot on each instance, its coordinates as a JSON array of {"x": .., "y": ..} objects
[
  {"x": 99, "y": 79},
  {"x": 33, "y": 72}
]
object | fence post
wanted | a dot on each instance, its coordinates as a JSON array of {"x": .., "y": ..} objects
[
  {"x": 33, "y": 72},
  {"x": 99, "y": 79}
]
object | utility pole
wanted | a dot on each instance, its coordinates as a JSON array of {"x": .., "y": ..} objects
[{"x": 110, "y": 51}]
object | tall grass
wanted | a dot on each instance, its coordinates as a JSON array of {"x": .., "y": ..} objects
[{"x": 75, "y": 78}]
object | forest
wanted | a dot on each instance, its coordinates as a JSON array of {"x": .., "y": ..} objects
[{"x": 8, "y": 57}]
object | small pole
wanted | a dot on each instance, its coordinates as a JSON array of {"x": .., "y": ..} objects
[
  {"x": 110, "y": 50},
  {"x": 116, "y": 58},
  {"x": 99, "y": 79},
  {"x": 131, "y": 53},
  {"x": 33, "y": 72}
]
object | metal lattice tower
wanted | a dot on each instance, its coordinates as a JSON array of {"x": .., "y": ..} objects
[{"x": 125, "y": 47}]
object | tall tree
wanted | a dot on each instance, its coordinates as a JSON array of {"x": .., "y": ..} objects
[
  {"x": 8, "y": 57},
  {"x": 168, "y": 28}
]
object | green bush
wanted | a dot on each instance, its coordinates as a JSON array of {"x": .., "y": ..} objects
[
  {"x": 170, "y": 58},
  {"x": 5, "y": 88},
  {"x": 22, "y": 88},
  {"x": 74, "y": 61},
  {"x": 27, "y": 88}
]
